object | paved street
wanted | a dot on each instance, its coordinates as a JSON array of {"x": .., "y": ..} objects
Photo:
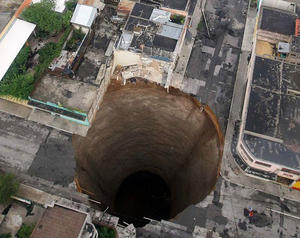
[
  {"x": 223, "y": 211},
  {"x": 214, "y": 60},
  {"x": 36, "y": 149}
]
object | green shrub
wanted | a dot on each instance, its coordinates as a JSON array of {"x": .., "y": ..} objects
[
  {"x": 105, "y": 232},
  {"x": 48, "y": 53},
  {"x": 25, "y": 231},
  {"x": 253, "y": 3},
  {"x": 19, "y": 64},
  {"x": 19, "y": 87},
  {"x": 71, "y": 5},
  {"x": 8, "y": 187},
  {"x": 16, "y": 82},
  {"x": 77, "y": 37},
  {"x": 6, "y": 235},
  {"x": 179, "y": 19}
]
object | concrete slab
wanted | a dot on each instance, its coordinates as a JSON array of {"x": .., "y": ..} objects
[
  {"x": 66, "y": 92},
  {"x": 12, "y": 108},
  {"x": 249, "y": 30},
  {"x": 58, "y": 122}
]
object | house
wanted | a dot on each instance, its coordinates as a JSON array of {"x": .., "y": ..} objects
[{"x": 12, "y": 42}]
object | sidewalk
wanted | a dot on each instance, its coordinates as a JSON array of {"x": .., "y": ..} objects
[
  {"x": 42, "y": 117},
  {"x": 229, "y": 169},
  {"x": 185, "y": 53}
]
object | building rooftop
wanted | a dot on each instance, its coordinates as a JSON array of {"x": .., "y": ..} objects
[
  {"x": 142, "y": 10},
  {"x": 278, "y": 21},
  {"x": 273, "y": 123},
  {"x": 59, "y": 222},
  {"x": 151, "y": 31},
  {"x": 171, "y": 4},
  {"x": 12, "y": 42},
  {"x": 84, "y": 15},
  {"x": 69, "y": 93}
]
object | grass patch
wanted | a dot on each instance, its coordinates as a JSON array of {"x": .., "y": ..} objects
[
  {"x": 105, "y": 232},
  {"x": 25, "y": 231},
  {"x": 200, "y": 25}
]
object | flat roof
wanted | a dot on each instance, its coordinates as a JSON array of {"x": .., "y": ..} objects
[
  {"x": 12, "y": 43},
  {"x": 69, "y": 93},
  {"x": 59, "y": 222},
  {"x": 273, "y": 123},
  {"x": 84, "y": 15},
  {"x": 175, "y": 4},
  {"x": 278, "y": 21},
  {"x": 142, "y": 10},
  {"x": 150, "y": 29}
]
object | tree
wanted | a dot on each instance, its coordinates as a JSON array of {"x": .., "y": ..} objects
[
  {"x": 46, "y": 19},
  {"x": 8, "y": 187},
  {"x": 71, "y": 5}
]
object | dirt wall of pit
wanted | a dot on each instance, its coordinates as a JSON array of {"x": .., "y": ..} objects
[{"x": 140, "y": 126}]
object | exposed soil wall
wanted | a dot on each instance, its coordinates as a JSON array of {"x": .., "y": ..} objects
[{"x": 141, "y": 127}]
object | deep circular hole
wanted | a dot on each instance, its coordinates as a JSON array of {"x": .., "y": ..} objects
[
  {"x": 144, "y": 194},
  {"x": 144, "y": 142}
]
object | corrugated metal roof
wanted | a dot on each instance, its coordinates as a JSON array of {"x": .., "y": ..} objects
[
  {"x": 160, "y": 16},
  {"x": 84, "y": 15},
  {"x": 12, "y": 42},
  {"x": 171, "y": 30},
  {"x": 125, "y": 40}
]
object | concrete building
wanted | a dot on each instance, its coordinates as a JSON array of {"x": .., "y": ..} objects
[
  {"x": 269, "y": 136},
  {"x": 151, "y": 40}
]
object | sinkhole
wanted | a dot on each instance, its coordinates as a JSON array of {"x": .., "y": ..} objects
[{"x": 149, "y": 153}]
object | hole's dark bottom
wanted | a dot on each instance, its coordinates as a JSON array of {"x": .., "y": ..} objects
[{"x": 143, "y": 194}]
